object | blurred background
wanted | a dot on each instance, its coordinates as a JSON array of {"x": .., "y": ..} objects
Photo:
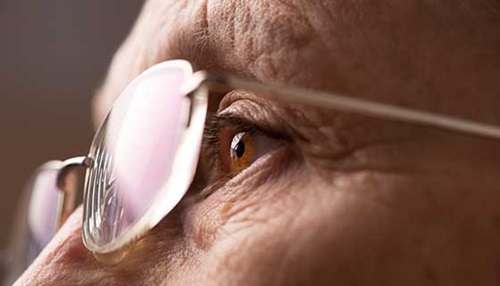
[{"x": 53, "y": 56}]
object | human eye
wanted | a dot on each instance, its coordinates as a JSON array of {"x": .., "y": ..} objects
[{"x": 232, "y": 145}]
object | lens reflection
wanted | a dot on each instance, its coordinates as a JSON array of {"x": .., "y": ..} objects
[
  {"x": 133, "y": 153},
  {"x": 42, "y": 212}
]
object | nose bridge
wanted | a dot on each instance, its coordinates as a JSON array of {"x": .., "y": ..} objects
[
  {"x": 65, "y": 250},
  {"x": 67, "y": 182}
]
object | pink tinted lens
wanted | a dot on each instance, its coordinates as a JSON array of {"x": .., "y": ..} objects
[
  {"x": 42, "y": 212},
  {"x": 134, "y": 152}
]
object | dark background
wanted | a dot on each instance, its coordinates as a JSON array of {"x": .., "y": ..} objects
[{"x": 53, "y": 56}]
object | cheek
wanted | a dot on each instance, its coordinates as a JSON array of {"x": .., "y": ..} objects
[
  {"x": 247, "y": 230},
  {"x": 300, "y": 230},
  {"x": 253, "y": 198}
]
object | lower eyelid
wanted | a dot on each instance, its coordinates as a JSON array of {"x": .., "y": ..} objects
[
  {"x": 266, "y": 142},
  {"x": 272, "y": 164}
]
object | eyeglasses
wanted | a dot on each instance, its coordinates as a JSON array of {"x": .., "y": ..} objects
[{"x": 144, "y": 155}]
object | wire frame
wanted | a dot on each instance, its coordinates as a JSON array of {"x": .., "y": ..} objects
[{"x": 196, "y": 89}]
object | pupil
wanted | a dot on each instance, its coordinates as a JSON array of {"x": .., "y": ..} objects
[{"x": 240, "y": 149}]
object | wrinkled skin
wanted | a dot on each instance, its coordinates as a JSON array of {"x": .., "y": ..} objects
[{"x": 354, "y": 200}]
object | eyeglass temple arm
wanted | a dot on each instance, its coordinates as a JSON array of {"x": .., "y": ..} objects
[
  {"x": 67, "y": 183},
  {"x": 345, "y": 103}
]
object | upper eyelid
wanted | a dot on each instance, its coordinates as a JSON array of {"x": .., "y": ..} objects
[
  {"x": 247, "y": 123},
  {"x": 272, "y": 116},
  {"x": 214, "y": 125},
  {"x": 240, "y": 124}
]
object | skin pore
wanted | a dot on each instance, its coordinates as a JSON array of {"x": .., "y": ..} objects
[{"x": 346, "y": 199}]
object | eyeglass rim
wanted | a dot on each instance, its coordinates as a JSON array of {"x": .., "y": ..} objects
[
  {"x": 320, "y": 99},
  {"x": 13, "y": 258},
  {"x": 193, "y": 132}
]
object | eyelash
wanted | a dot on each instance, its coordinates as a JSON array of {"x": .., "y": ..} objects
[
  {"x": 212, "y": 142},
  {"x": 212, "y": 153}
]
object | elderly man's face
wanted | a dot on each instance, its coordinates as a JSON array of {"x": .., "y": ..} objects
[{"x": 346, "y": 199}]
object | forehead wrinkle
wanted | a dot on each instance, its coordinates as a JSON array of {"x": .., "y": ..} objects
[
  {"x": 259, "y": 39},
  {"x": 293, "y": 42}
]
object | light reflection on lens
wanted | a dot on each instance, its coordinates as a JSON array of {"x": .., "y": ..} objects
[
  {"x": 133, "y": 153},
  {"x": 42, "y": 212}
]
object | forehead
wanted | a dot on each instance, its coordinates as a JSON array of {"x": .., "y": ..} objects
[{"x": 392, "y": 51}]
